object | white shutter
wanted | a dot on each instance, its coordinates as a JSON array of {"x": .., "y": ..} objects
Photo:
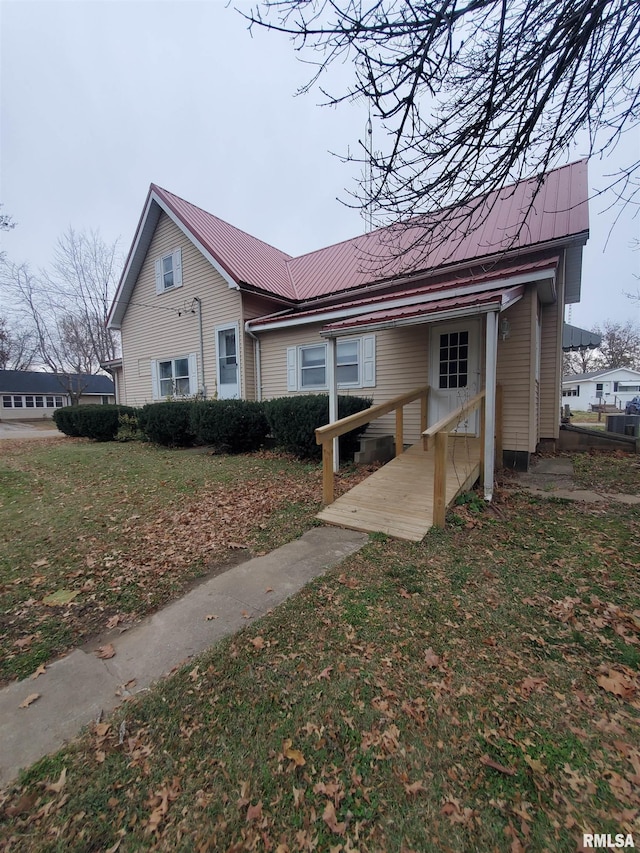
[
  {"x": 292, "y": 368},
  {"x": 193, "y": 374},
  {"x": 159, "y": 287},
  {"x": 177, "y": 268},
  {"x": 155, "y": 384},
  {"x": 368, "y": 361}
]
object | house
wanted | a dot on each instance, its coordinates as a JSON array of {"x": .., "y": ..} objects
[
  {"x": 30, "y": 394},
  {"x": 207, "y": 309},
  {"x": 611, "y": 387}
]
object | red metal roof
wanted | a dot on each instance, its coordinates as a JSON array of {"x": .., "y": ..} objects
[
  {"x": 442, "y": 286},
  {"x": 512, "y": 219},
  {"x": 246, "y": 259},
  {"x": 531, "y": 214},
  {"x": 500, "y": 298}
]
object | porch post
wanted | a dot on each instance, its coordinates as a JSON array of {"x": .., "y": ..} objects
[
  {"x": 333, "y": 397},
  {"x": 491, "y": 358}
]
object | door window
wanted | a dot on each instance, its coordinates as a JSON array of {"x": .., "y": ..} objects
[{"x": 454, "y": 359}]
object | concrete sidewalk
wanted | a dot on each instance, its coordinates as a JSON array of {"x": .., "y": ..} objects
[{"x": 76, "y": 689}]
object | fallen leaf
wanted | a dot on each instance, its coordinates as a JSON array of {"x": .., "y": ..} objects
[
  {"x": 24, "y": 642},
  {"x": 31, "y": 698},
  {"x": 22, "y": 805},
  {"x": 105, "y": 652},
  {"x": 56, "y": 787},
  {"x": 329, "y": 817},
  {"x": 60, "y": 597},
  {"x": 269, "y": 589},
  {"x": 616, "y": 683},
  {"x": 254, "y": 812},
  {"x": 415, "y": 787},
  {"x": 293, "y": 754},
  {"x": 210, "y": 617},
  {"x": 38, "y": 563},
  {"x": 326, "y": 673},
  {"x": 258, "y": 643},
  {"x": 489, "y": 762},
  {"x": 39, "y": 671},
  {"x": 431, "y": 658}
]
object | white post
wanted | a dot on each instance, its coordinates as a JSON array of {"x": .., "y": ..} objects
[
  {"x": 491, "y": 358},
  {"x": 333, "y": 396}
]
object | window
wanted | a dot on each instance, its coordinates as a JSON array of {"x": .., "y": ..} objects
[
  {"x": 599, "y": 389},
  {"x": 31, "y": 401},
  {"x": 169, "y": 271},
  {"x": 174, "y": 377},
  {"x": 355, "y": 365},
  {"x": 454, "y": 359},
  {"x": 571, "y": 392},
  {"x": 313, "y": 368}
]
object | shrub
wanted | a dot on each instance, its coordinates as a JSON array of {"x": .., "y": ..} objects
[
  {"x": 293, "y": 421},
  {"x": 231, "y": 426},
  {"x": 128, "y": 429},
  {"x": 167, "y": 423},
  {"x": 93, "y": 421}
]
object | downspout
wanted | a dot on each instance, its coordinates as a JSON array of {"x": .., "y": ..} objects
[
  {"x": 491, "y": 359},
  {"x": 203, "y": 388},
  {"x": 257, "y": 361}
]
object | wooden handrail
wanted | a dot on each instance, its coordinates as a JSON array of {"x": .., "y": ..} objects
[
  {"x": 439, "y": 434},
  {"x": 452, "y": 418},
  {"x": 330, "y": 431},
  {"x": 325, "y": 435}
]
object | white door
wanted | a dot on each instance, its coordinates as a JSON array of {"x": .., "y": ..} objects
[
  {"x": 454, "y": 373},
  {"x": 228, "y": 367}
]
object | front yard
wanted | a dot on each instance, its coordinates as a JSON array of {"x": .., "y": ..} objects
[{"x": 475, "y": 692}]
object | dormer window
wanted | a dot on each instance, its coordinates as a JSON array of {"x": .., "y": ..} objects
[{"x": 169, "y": 271}]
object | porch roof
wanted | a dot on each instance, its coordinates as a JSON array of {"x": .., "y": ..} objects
[
  {"x": 425, "y": 312},
  {"x": 448, "y": 289}
]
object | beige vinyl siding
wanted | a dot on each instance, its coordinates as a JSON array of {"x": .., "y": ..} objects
[
  {"x": 161, "y": 326},
  {"x": 254, "y": 306},
  {"x": 401, "y": 365},
  {"x": 551, "y": 364},
  {"x": 516, "y": 372}
]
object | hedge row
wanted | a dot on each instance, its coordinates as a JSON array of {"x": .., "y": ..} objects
[{"x": 231, "y": 426}]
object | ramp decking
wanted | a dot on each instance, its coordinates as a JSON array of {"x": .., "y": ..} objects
[{"x": 398, "y": 498}]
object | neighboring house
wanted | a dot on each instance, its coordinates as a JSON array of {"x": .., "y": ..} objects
[
  {"x": 206, "y": 309},
  {"x": 611, "y": 387},
  {"x": 28, "y": 394}
]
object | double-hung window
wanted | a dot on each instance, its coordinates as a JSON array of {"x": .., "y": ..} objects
[
  {"x": 355, "y": 365},
  {"x": 174, "y": 377},
  {"x": 169, "y": 271}
]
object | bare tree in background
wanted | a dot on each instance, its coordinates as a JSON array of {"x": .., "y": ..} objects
[
  {"x": 476, "y": 94},
  {"x": 620, "y": 345},
  {"x": 17, "y": 347},
  {"x": 65, "y": 308}
]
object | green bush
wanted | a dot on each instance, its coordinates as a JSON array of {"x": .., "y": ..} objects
[
  {"x": 167, "y": 423},
  {"x": 100, "y": 423},
  {"x": 66, "y": 421},
  {"x": 293, "y": 421},
  {"x": 231, "y": 426}
]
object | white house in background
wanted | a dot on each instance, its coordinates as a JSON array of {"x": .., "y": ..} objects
[{"x": 610, "y": 387}]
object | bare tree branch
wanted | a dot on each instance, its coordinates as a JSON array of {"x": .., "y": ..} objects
[{"x": 472, "y": 96}]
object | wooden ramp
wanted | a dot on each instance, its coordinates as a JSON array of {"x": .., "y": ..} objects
[{"x": 398, "y": 498}]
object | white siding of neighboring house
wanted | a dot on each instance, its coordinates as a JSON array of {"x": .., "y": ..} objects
[
  {"x": 588, "y": 389},
  {"x": 152, "y": 328}
]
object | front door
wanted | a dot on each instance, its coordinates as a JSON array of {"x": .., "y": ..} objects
[
  {"x": 228, "y": 369},
  {"x": 454, "y": 373}
]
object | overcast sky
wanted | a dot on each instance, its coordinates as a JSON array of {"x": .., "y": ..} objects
[{"x": 101, "y": 97}]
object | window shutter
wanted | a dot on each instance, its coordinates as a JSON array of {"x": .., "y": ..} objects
[
  {"x": 159, "y": 287},
  {"x": 177, "y": 268},
  {"x": 368, "y": 361},
  {"x": 193, "y": 374},
  {"x": 292, "y": 369},
  {"x": 155, "y": 385}
]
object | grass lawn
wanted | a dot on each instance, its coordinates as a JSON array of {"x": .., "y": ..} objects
[
  {"x": 113, "y": 531},
  {"x": 478, "y": 691}
]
